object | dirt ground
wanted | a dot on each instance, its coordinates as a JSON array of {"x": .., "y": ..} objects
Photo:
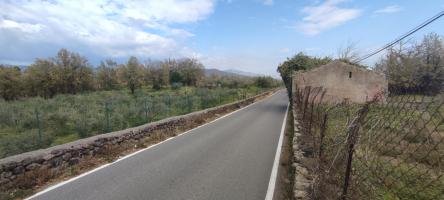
[{"x": 284, "y": 183}]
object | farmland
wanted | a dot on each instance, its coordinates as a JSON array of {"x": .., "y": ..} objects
[{"x": 35, "y": 123}]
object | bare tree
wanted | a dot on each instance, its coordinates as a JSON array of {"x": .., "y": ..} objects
[{"x": 349, "y": 53}]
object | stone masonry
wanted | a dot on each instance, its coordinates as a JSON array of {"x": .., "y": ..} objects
[{"x": 343, "y": 82}]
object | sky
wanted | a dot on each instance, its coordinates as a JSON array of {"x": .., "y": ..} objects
[{"x": 248, "y": 35}]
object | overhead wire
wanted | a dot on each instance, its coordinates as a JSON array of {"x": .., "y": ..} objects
[{"x": 417, "y": 28}]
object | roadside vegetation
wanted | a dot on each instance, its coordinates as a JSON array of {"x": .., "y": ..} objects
[
  {"x": 398, "y": 154},
  {"x": 46, "y": 175},
  {"x": 399, "y": 150},
  {"x": 62, "y": 99},
  {"x": 299, "y": 62},
  {"x": 34, "y": 123},
  {"x": 415, "y": 68},
  {"x": 71, "y": 73}
]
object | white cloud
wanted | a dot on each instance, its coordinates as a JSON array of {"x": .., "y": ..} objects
[
  {"x": 325, "y": 16},
  {"x": 176, "y": 11},
  {"x": 114, "y": 28},
  {"x": 24, "y": 27},
  {"x": 268, "y": 2},
  {"x": 389, "y": 9}
]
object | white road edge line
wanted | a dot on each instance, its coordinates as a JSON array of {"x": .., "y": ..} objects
[
  {"x": 274, "y": 171},
  {"x": 137, "y": 152}
]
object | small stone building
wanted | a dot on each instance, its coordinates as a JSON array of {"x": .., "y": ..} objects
[{"x": 343, "y": 82}]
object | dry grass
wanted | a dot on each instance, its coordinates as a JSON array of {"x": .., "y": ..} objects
[
  {"x": 399, "y": 153},
  {"x": 285, "y": 181}
]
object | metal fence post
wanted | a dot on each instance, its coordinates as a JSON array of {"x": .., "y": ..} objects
[
  {"x": 82, "y": 124},
  {"x": 39, "y": 126},
  {"x": 107, "y": 117},
  {"x": 188, "y": 101},
  {"x": 169, "y": 104},
  {"x": 145, "y": 108},
  {"x": 206, "y": 100},
  {"x": 353, "y": 131},
  {"x": 201, "y": 101},
  {"x": 307, "y": 92},
  {"x": 155, "y": 108},
  {"x": 322, "y": 135}
]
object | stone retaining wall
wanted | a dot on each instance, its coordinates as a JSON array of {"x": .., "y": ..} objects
[
  {"x": 302, "y": 178},
  {"x": 65, "y": 155}
]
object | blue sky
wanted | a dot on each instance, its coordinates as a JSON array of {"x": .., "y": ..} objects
[{"x": 248, "y": 35}]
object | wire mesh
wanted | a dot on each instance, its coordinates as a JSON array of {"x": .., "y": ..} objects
[{"x": 395, "y": 146}]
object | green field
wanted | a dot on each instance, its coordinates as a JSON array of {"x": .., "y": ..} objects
[
  {"x": 35, "y": 123},
  {"x": 399, "y": 151}
]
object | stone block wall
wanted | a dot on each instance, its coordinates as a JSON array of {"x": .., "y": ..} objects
[{"x": 302, "y": 179}]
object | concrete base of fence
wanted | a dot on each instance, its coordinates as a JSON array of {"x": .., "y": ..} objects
[
  {"x": 57, "y": 158},
  {"x": 302, "y": 178}
]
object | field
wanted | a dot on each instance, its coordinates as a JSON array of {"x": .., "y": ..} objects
[
  {"x": 398, "y": 152},
  {"x": 35, "y": 123}
]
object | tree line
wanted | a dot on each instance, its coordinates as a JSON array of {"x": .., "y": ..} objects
[
  {"x": 296, "y": 63},
  {"x": 414, "y": 67},
  {"x": 71, "y": 73}
]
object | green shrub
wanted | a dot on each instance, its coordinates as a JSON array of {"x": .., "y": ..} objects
[{"x": 34, "y": 123}]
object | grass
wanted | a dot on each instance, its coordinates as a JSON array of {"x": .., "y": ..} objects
[
  {"x": 35, "y": 123},
  {"x": 34, "y": 181},
  {"x": 399, "y": 153},
  {"x": 394, "y": 179}
]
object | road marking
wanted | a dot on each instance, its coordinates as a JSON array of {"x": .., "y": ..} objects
[
  {"x": 137, "y": 152},
  {"x": 274, "y": 171}
]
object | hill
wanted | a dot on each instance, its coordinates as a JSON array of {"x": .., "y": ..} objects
[{"x": 230, "y": 72}]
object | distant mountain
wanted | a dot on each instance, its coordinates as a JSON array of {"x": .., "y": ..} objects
[
  {"x": 217, "y": 72},
  {"x": 243, "y": 73},
  {"x": 231, "y": 72}
]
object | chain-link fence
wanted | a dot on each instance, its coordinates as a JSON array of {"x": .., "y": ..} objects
[
  {"x": 388, "y": 148},
  {"x": 39, "y": 123}
]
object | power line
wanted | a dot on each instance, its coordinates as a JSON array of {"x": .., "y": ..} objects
[{"x": 424, "y": 24}]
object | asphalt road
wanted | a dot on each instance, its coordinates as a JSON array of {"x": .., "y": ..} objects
[{"x": 231, "y": 158}]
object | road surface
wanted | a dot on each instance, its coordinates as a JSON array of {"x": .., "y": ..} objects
[{"x": 231, "y": 158}]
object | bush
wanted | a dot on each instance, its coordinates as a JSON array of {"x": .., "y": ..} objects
[{"x": 65, "y": 118}]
